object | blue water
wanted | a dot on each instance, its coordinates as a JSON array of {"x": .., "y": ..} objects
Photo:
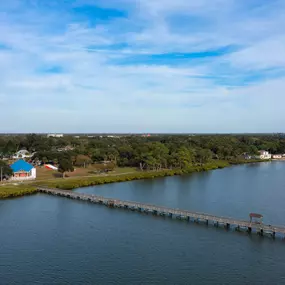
[
  {"x": 53, "y": 240},
  {"x": 233, "y": 192}
]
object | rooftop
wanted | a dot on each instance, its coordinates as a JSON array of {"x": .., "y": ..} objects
[
  {"x": 255, "y": 215},
  {"x": 21, "y": 165}
]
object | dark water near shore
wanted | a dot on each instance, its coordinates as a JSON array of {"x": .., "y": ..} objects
[{"x": 52, "y": 240}]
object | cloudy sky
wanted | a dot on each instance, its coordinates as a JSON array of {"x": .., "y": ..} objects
[{"x": 142, "y": 66}]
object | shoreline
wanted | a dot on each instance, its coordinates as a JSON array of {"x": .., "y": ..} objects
[{"x": 13, "y": 191}]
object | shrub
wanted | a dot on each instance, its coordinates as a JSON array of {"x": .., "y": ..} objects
[{"x": 8, "y": 191}]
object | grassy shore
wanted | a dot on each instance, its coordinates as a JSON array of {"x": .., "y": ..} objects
[
  {"x": 69, "y": 184},
  {"x": 10, "y": 190}
]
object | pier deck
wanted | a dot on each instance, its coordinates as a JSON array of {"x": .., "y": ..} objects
[{"x": 160, "y": 210}]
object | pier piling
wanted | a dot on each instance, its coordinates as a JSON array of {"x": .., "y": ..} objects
[{"x": 260, "y": 228}]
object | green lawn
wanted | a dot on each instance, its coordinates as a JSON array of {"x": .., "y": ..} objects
[
  {"x": 86, "y": 179},
  {"x": 46, "y": 174},
  {"x": 121, "y": 170},
  {"x": 48, "y": 177}
]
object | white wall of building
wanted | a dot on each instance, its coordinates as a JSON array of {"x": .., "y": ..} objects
[
  {"x": 265, "y": 155},
  {"x": 55, "y": 135},
  {"x": 22, "y": 154},
  {"x": 34, "y": 173},
  {"x": 31, "y": 177}
]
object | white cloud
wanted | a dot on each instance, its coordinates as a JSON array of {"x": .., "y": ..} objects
[
  {"x": 91, "y": 92},
  {"x": 269, "y": 53}
]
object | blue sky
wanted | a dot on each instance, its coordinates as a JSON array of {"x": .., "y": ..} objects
[{"x": 142, "y": 66}]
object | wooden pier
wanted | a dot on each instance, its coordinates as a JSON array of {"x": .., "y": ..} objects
[{"x": 228, "y": 223}]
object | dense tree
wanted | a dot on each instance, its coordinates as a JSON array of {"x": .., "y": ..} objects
[
  {"x": 44, "y": 159},
  {"x": 5, "y": 170},
  {"x": 159, "y": 153},
  {"x": 82, "y": 160},
  {"x": 112, "y": 154},
  {"x": 10, "y": 147},
  {"x": 97, "y": 155},
  {"x": 154, "y": 153},
  {"x": 203, "y": 155},
  {"x": 65, "y": 165}
]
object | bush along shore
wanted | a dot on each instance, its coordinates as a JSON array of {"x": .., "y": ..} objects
[
  {"x": 9, "y": 191},
  {"x": 69, "y": 184}
]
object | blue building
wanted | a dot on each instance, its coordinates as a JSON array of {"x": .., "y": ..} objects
[{"x": 23, "y": 170}]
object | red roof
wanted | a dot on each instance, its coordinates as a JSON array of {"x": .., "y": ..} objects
[{"x": 255, "y": 215}]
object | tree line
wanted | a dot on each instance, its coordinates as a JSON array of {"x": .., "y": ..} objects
[{"x": 146, "y": 153}]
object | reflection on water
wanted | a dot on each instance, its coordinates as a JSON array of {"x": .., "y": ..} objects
[
  {"x": 235, "y": 191},
  {"x": 53, "y": 240}
]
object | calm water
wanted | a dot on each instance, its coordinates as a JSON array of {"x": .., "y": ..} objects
[{"x": 51, "y": 240}]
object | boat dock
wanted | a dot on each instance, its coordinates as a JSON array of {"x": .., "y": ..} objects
[{"x": 197, "y": 217}]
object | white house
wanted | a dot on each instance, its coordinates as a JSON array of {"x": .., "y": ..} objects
[
  {"x": 22, "y": 154},
  {"x": 277, "y": 156},
  {"x": 263, "y": 154},
  {"x": 55, "y": 135},
  {"x": 66, "y": 148}
]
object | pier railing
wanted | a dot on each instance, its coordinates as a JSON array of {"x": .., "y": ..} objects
[{"x": 165, "y": 211}]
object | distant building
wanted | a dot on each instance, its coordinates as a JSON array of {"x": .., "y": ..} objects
[
  {"x": 66, "y": 148},
  {"x": 277, "y": 156},
  {"x": 22, "y": 154},
  {"x": 55, "y": 135},
  {"x": 247, "y": 156},
  {"x": 23, "y": 170},
  {"x": 263, "y": 154}
]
